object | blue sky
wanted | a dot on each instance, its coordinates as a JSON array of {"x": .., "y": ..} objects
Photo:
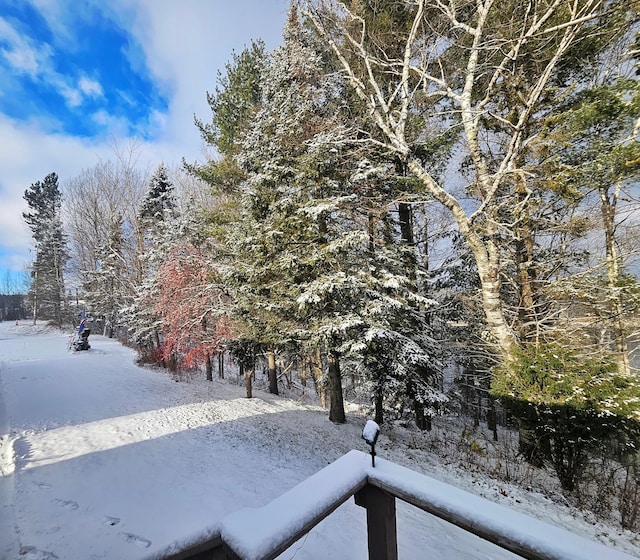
[
  {"x": 77, "y": 77},
  {"x": 77, "y": 80}
]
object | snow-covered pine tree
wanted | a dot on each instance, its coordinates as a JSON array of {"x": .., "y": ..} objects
[
  {"x": 322, "y": 261},
  {"x": 384, "y": 199},
  {"x": 159, "y": 203},
  {"x": 46, "y": 293},
  {"x": 233, "y": 105},
  {"x": 367, "y": 298},
  {"x": 283, "y": 175},
  {"x": 158, "y": 217},
  {"x": 109, "y": 289}
]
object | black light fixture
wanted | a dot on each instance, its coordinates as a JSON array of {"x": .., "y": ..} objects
[{"x": 370, "y": 434}]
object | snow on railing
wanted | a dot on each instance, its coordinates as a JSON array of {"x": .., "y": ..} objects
[{"x": 264, "y": 533}]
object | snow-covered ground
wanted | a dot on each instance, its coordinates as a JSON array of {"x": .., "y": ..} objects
[{"x": 102, "y": 459}]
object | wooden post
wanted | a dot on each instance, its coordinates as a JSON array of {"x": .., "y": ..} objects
[{"x": 381, "y": 522}]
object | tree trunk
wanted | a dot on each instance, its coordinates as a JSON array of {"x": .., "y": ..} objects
[
  {"x": 209, "y": 368},
  {"x": 59, "y": 283},
  {"x": 35, "y": 294},
  {"x": 303, "y": 373},
  {"x": 608, "y": 210},
  {"x": 405, "y": 216},
  {"x": 273, "y": 374},
  {"x": 315, "y": 363},
  {"x": 492, "y": 420},
  {"x": 378, "y": 398},
  {"x": 336, "y": 407},
  {"x": 221, "y": 365},
  {"x": 524, "y": 246},
  {"x": 156, "y": 343},
  {"x": 487, "y": 259},
  {"x": 423, "y": 421},
  {"x": 247, "y": 380}
]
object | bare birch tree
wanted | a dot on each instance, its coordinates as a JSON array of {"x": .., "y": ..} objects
[
  {"x": 104, "y": 233},
  {"x": 484, "y": 67}
]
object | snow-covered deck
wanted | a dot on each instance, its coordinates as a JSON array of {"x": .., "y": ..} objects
[{"x": 264, "y": 533}]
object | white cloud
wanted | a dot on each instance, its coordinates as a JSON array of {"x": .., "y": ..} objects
[
  {"x": 59, "y": 15},
  {"x": 75, "y": 96},
  {"x": 90, "y": 88},
  {"x": 22, "y": 59},
  {"x": 25, "y": 56},
  {"x": 30, "y": 156},
  {"x": 72, "y": 95},
  {"x": 20, "y": 54},
  {"x": 117, "y": 126},
  {"x": 184, "y": 44}
]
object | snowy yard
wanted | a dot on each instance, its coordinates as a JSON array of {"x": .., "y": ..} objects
[{"x": 102, "y": 459}]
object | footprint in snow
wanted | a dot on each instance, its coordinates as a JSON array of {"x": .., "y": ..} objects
[
  {"x": 107, "y": 520},
  {"x": 32, "y": 553},
  {"x": 22, "y": 452},
  {"x": 43, "y": 485},
  {"x": 135, "y": 539},
  {"x": 67, "y": 504}
]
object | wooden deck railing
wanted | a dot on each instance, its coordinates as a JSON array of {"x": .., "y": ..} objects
[{"x": 244, "y": 535}]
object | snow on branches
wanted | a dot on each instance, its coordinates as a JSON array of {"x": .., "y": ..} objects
[{"x": 193, "y": 307}]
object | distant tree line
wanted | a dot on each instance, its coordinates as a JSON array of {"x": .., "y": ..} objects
[
  {"x": 12, "y": 307},
  {"x": 424, "y": 204}
]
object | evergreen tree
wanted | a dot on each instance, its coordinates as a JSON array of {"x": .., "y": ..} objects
[
  {"x": 233, "y": 104},
  {"x": 595, "y": 153},
  {"x": 272, "y": 235},
  {"x": 321, "y": 259},
  {"x": 158, "y": 216},
  {"x": 110, "y": 282},
  {"x": 159, "y": 203},
  {"x": 46, "y": 293}
]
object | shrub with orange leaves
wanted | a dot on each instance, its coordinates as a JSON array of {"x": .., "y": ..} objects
[{"x": 193, "y": 306}]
